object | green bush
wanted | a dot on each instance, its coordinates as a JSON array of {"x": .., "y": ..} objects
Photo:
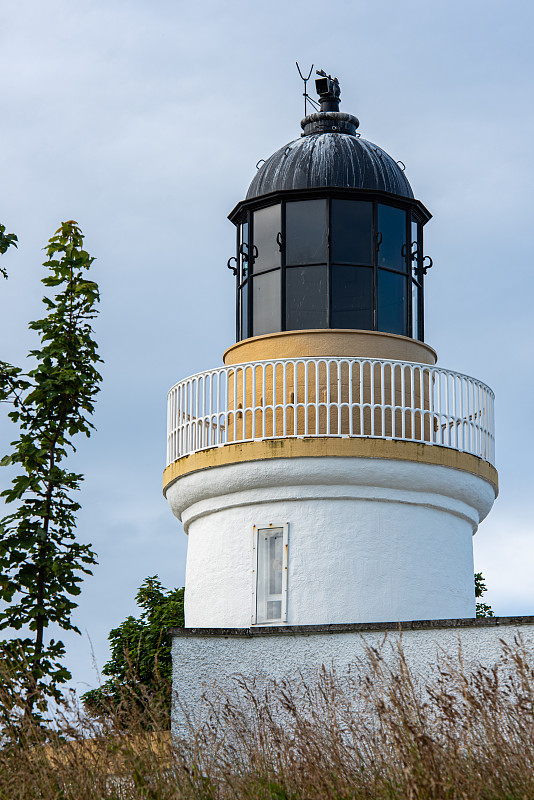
[{"x": 140, "y": 662}]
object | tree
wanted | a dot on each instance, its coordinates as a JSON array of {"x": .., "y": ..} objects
[
  {"x": 483, "y": 609},
  {"x": 140, "y": 665},
  {"x": 7, "y": 240},
  {"x": 41, "y": 563}
]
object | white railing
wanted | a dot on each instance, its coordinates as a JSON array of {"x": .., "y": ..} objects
[{"x": 333, "y": 397}]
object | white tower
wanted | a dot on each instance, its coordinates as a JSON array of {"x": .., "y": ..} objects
[{"x": 329, "y": 472}]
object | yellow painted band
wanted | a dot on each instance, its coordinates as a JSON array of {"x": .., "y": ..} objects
[
  {"x": 334, "y": 343},
  {"x": 319, "y": 447}
]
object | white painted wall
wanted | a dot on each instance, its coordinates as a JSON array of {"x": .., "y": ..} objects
[{"x": 370, "y": 540}]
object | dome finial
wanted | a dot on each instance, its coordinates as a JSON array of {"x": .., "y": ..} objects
[{"x": 328, "y": 90}]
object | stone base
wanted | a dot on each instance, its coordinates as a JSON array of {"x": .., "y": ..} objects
[{"x": 207, "y": 659}]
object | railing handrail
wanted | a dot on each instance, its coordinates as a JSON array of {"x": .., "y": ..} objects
[
  {"x": 330, "y": 396},
  {"x": 335, "y": 360}
]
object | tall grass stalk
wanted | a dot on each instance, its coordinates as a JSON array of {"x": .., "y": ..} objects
[{"x": 378, "y": 731}]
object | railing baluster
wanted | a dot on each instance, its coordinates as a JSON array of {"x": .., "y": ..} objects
[
  {"x": 306, "y": 396},
  {"x": 362, "y": 395},
  {"x": 317, "y": 406},
  {"x": 263, "y": 400},
  {"x": 295, "y": 410},
  {"x": 435, "y": 418},
  {"x": 245, "y": 403},
  {"x": 275, "y": 396},
  {"x": 387, "y": 399},
  {"x": 328, "y": 395},
  {"x": 350, "y": 366},
  {"x": 227, "y": 439},
  {"x": 254, "y": 402},
  {"x": 284, "y": 398}
]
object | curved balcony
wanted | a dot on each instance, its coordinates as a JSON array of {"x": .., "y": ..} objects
[{"x": 330, "y": 397}]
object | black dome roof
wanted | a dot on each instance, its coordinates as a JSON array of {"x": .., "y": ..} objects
[{"x": 335, "y": 159}]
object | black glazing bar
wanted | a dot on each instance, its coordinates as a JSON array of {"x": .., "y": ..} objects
[
  {"x": 408, "y": 267},
  {"x": 328, "y": 223},
  {"x": 238, "y": 336},
  {"x": 283, "y": 293},
  {"x": 375, "y": 265}
]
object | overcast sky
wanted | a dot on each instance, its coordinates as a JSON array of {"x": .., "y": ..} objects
[{"x": 144, "y": 122}]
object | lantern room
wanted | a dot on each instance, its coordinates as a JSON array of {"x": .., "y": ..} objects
[{"x": 330, "y": 235}]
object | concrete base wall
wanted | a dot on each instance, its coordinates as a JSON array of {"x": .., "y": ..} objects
[{"x": 210, "y": 659}]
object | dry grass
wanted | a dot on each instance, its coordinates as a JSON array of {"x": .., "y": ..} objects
[{"x": 374, "y": 733}]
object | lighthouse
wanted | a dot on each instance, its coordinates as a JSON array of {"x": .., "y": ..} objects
[{"x": 330, "y": 472}]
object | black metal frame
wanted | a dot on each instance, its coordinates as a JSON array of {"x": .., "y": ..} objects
[{"x": 414, "y": 271}]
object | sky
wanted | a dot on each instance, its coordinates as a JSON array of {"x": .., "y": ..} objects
[{"x": 144, "y": 122}]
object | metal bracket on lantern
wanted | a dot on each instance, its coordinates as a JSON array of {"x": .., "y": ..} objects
[
  {"x": 412, "y": 252},
  {"x": 229, "y": 265},
  {"x": 428, "y": 266}
]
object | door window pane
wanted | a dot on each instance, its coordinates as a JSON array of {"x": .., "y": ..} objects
[
  {"x": 266, "y": 229},
  {"x": 352, "y": 297},
  {"x": 391, "y": 302},
  {"x": 306, "y": 297},
  {"x": 275, "y": 564},
  {"x": 352, "y": 231},
  {"x": 306, "y": 229},
  {"x": 392, "y": 228},
  {"x": 269, "y": 576},
  {"x": 266, "y": 303}
]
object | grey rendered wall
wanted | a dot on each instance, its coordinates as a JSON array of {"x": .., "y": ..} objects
[{"x": 210, "y": 659}]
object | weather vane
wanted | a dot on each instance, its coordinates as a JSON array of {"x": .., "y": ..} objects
[
  {"x": 305, "y": 92},
  {"x": 327, "y": 88}
]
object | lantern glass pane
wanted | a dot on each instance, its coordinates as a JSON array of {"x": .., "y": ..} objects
[
  {"x": 351, "y": 237},
  {"x": 266, "y": 303},
  {"x": 306, "y": 297},
  {"x": 392, "y": 304},
  {"x": 392, "y": 237},
  {"x": 306, "y": 232},
  {"x": 267, "y": 227},
  {"x": 352, "y": 297}
]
